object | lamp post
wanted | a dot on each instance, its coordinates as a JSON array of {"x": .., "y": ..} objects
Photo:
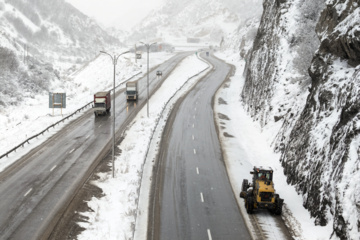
[
  {"x": 147, "y": 45},
  {"x": 114, "y": 60}
]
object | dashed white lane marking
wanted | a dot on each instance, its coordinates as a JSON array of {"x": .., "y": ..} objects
[
  {"x": 193, "y": 125},
  {"x": 197, "y": 170},
  {"x": 194, "y": 151},
  {"x": 72, "y": 150},
  {"x": 209, "y": 234},
  {"x": 87, "y": 136},
  {"x": 195, "y": 109},
  {"x": 27, "y": 192},
  {"x": 202, "y": 197},
  {"x": 193, "y": 137},
  {"x": 99, "y": 126},
  {"x": 194, "y": 116},
  {"x": 52, "y": 168}
]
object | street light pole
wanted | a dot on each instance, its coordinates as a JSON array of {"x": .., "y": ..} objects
[
  {"x": 147, "y": 45},
  {"x": 114, "y": 60}
]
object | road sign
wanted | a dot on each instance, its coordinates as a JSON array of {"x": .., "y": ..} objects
[{"x": 57, "y": 100}]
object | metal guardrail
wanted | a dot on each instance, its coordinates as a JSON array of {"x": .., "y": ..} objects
[{"x": 58, "y": 122}]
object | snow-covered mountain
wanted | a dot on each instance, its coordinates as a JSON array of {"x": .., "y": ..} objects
[
  {"x": 207, "y": 21},
  {"x": 302, "y": 78},
  {"x": 40, "y": 41}
]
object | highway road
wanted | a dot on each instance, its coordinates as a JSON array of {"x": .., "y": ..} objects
[
  {"x": 38, "y": 187},
  {"x": 193, "y": 195}
]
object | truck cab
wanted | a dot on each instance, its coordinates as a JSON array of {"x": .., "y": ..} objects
[{"x": 102, "y": 103}]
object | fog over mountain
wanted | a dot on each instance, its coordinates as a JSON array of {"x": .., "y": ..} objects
[{"x": 210, "y": 21}]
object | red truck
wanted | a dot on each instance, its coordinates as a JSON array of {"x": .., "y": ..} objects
[{"x": 102, "y": 103}]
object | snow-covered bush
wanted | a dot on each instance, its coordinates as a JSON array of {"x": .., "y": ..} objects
[{"x": 8, "y": 60}]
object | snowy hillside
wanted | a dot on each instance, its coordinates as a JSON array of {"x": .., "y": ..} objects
[
  {"x": 302, "y": 80},
  {"x": 207, "y": 21},
  {"x": 40, "y": 42}
]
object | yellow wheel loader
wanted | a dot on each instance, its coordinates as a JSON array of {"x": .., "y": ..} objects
[{"x": 260, "y": 194}]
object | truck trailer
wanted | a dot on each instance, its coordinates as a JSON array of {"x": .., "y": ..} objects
[
  {"x": 131, "y": 91},
  {"x": 102, "y": 103}
]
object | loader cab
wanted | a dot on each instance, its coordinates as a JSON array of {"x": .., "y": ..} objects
[{"x": 262, "y": 174}]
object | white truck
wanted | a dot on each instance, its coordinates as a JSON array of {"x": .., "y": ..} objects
[{"x": 131, "y": 91}]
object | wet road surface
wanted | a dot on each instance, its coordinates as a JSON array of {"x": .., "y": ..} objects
[
  {"x": 38, "y": 187},
  {"x": 193, "y": 196}
]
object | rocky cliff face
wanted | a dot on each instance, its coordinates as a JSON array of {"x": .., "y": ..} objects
[
  {"x": 277, "y": 79},
  {"x": 317, "y": 114}
]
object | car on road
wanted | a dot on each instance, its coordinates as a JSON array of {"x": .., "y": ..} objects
[{"x": 158, "y": 73}]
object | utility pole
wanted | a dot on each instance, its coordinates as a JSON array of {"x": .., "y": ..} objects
[
  {"x": 147, "y": 45},
  {"x": 114, "y": 60}
]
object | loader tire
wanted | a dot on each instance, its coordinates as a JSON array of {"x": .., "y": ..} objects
[
  {"x": 278, "y": 205},
  {"x": 249, "y": 205},
  {"x": 245, "y": 185}
]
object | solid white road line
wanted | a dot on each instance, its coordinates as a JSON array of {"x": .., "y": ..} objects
[
  {"x": 209, "y": 234},
  {"x": 202, "y": 197},
  {"x": 197, "y": 170},
  {"x": 27, "y": 192},
  {"x": 72, "y": 150},
  {"x": 52, "y": 168}
]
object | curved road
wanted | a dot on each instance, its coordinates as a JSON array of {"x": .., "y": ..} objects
[
  {"x": 193, "y": 195},
  {"x": 38, "y": 187}
]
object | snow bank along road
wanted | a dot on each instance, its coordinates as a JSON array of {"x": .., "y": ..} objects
[{"x": 39, "y": 186}]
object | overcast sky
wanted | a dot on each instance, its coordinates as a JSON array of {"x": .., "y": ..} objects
[{"x": 122, "y": 14}]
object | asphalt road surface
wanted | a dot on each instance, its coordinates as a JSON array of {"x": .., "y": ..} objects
[
  {"x": 193, "y": 195},
  {"x": 38, "y": 187}
]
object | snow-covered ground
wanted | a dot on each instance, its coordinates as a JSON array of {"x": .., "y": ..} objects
[{"x": 249, "y": 146}]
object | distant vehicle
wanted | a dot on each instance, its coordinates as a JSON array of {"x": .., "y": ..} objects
[
  {"x": 159, "y": 73},
  {"x": 131, "y": 91},
  {"x": 138, "y": 55},
  {"x": 261, "y": 192},
  {"x": 102, "y": 103}
]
